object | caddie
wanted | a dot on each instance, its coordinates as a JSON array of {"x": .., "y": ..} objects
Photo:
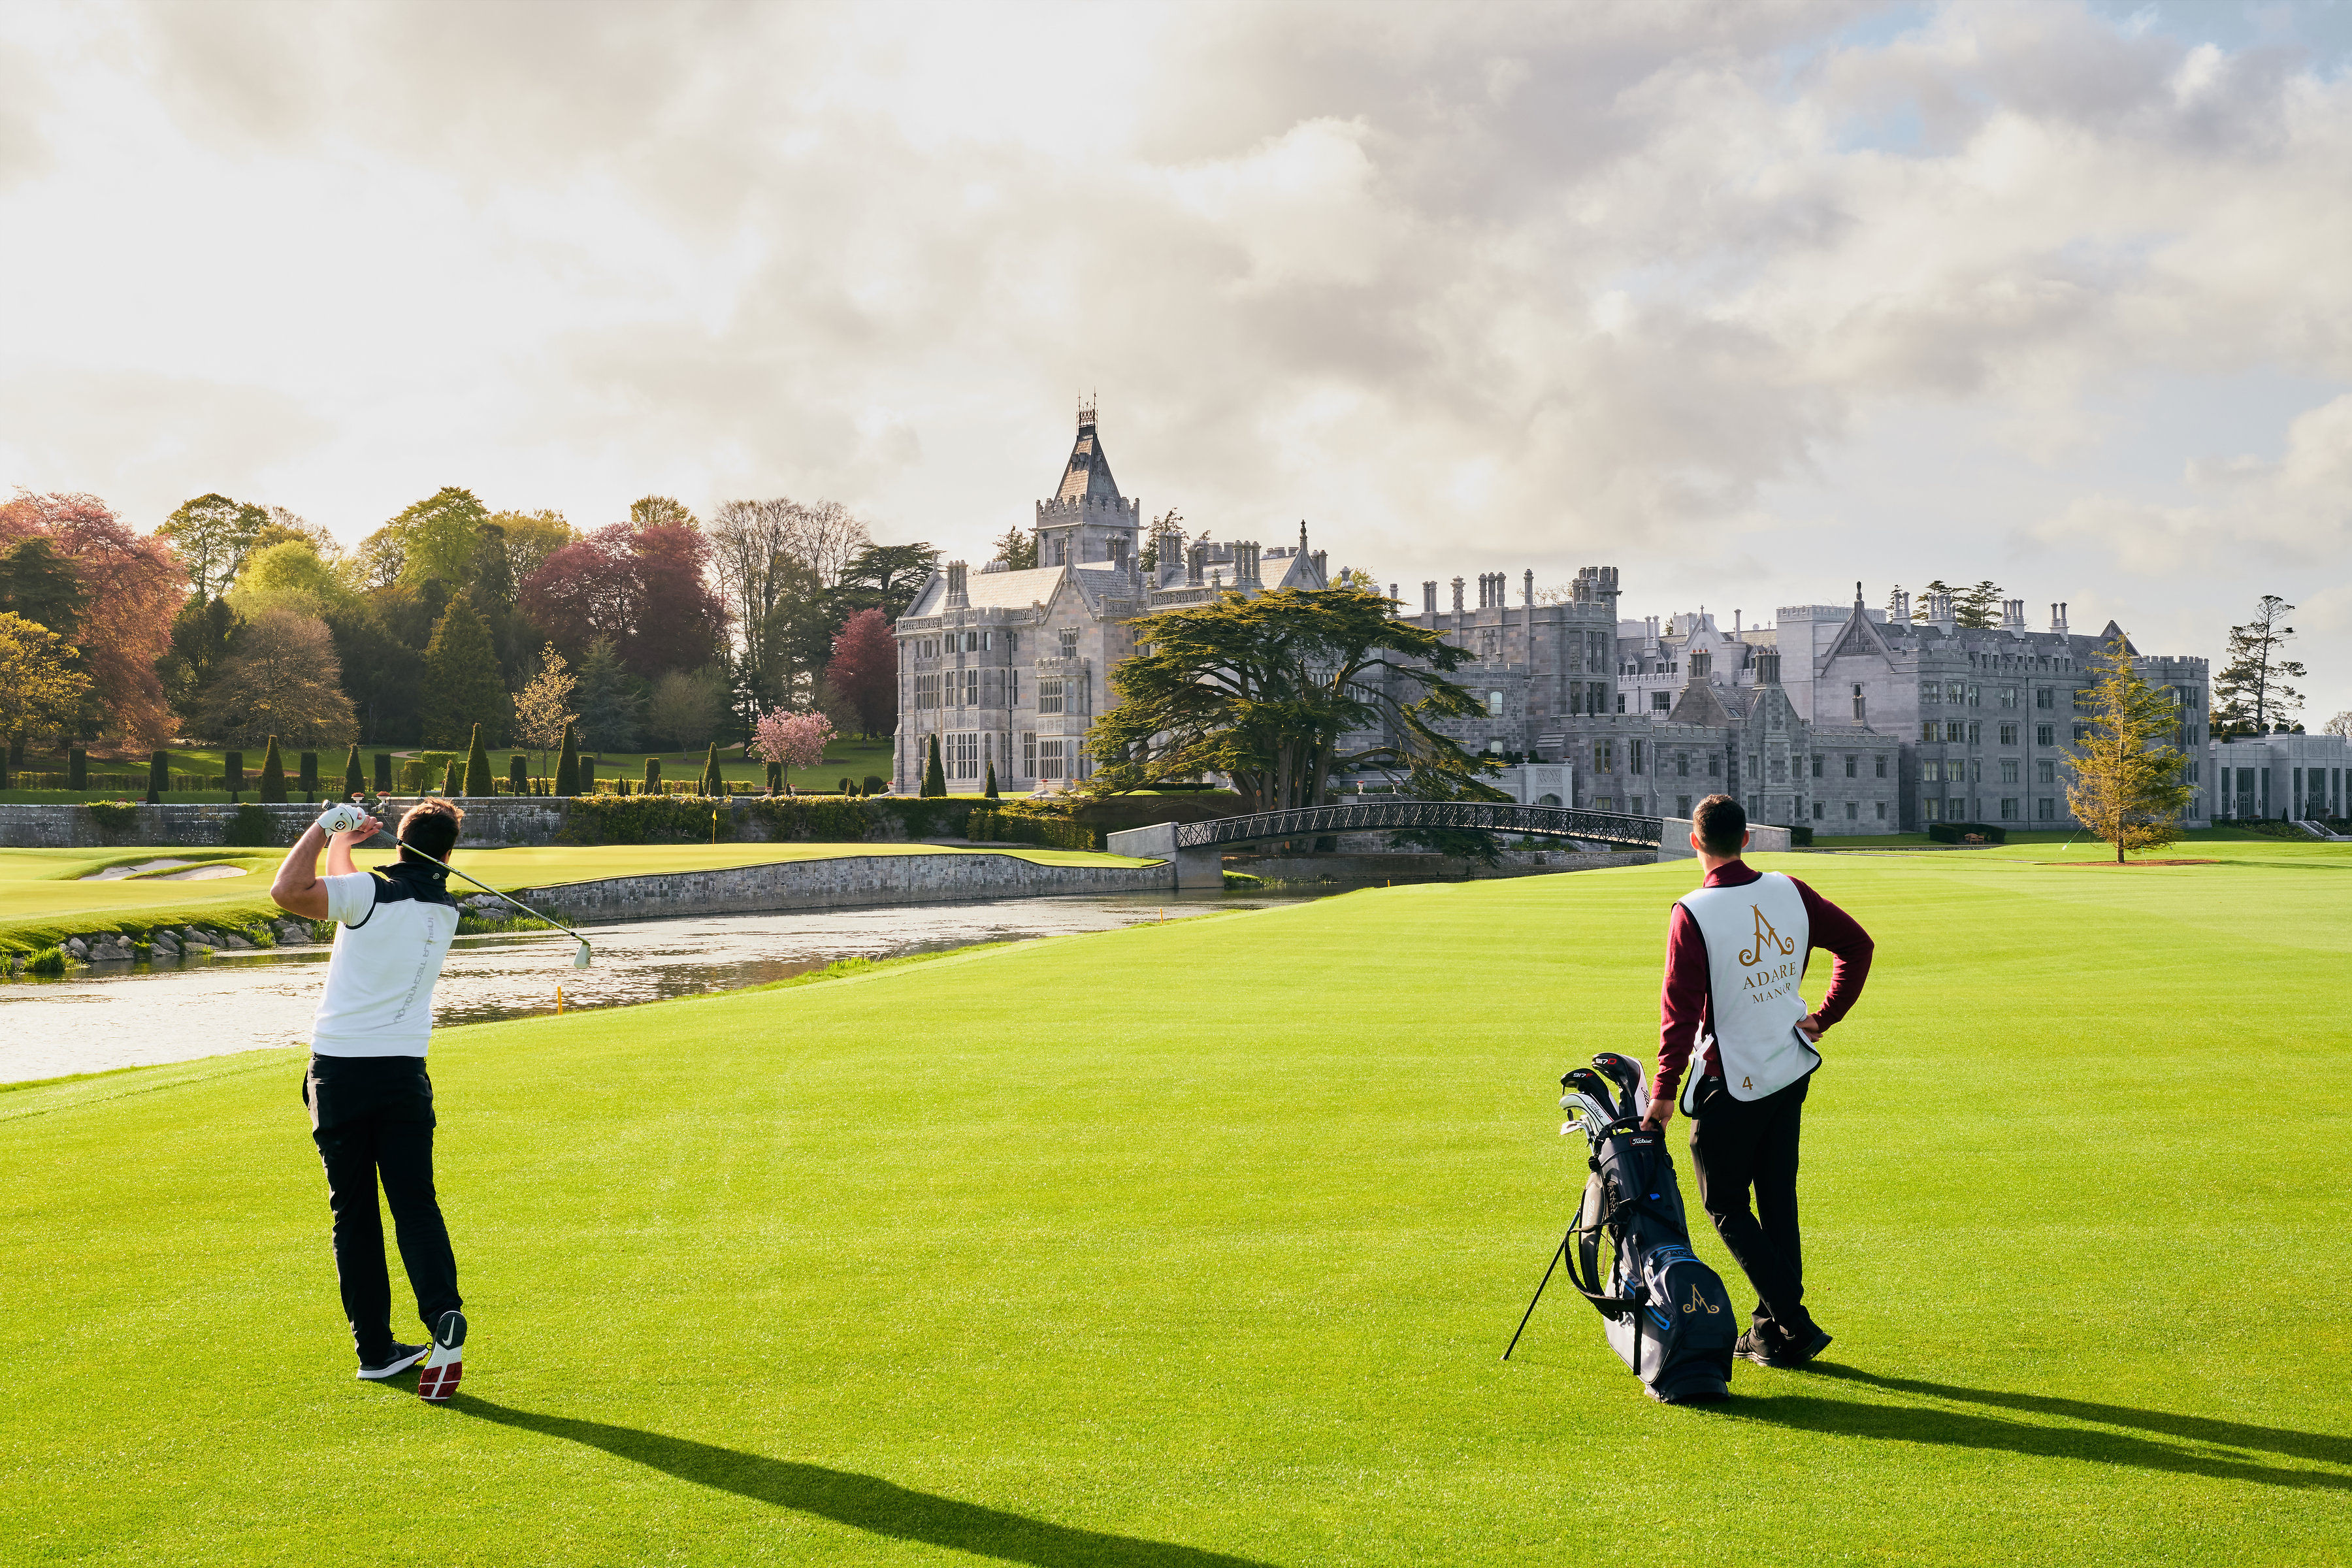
[
  {"x": 371, "y": 1102},
  {"x": 1736, "y": 1039}
]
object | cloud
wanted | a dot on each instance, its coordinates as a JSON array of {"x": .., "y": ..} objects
[{"x": 1559, "y": 284}]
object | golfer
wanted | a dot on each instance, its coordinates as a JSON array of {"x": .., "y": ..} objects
[
  {"x": 1735, "y": 1035},
  {"x": 371, "y": 1103}
]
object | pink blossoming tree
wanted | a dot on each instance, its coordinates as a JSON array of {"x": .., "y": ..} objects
[{"x": 791, "y": 738}]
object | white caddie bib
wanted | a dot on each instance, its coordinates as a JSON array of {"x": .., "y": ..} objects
[{"x": 1756, "y": 944}]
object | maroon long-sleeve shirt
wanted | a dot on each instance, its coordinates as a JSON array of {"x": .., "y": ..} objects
[{"x": 1687, "y": 1003}]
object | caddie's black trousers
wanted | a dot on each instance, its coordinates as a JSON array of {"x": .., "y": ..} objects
[
  {"x": 370, "y": 1116},
  {"x": 1740, "y": 1143}
]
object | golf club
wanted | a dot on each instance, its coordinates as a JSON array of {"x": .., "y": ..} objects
[
  {"x": 342, "y": 819},
  {"x": 1626, "y": 1073}
]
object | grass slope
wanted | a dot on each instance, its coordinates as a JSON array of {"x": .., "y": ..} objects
[
  {"x": 1196, "y": 1244},
  {"x": 44, "y": 896}
]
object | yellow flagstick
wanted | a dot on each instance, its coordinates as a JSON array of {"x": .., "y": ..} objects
[{"x": 559, "y": 1001}]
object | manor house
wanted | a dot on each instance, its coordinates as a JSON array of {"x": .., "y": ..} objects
[
  {"x": 1842, "y": 717},
  {"x": 1008, "y": 667}
]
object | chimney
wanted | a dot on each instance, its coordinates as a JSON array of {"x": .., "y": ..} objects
[
  {"x": 1699, "y": 664},
  {"x": 1531, "y": 587},
  {"x": 958, "y": 598},
  {"x": 1767, "y": 667},
  {"x": 1196, "y": 563},
  {"x": 2012, "y": 615},
  {"x": 1245, "y": 564},
  {"x": 1457, "y": 595},
  {"x": 2058, "y": 619},
  {"x": 1902, "y": 611},
  {"x": 1429, "y": 598}
]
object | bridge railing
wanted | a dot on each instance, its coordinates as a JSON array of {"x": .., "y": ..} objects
[{"x": 1493, "y": 816}]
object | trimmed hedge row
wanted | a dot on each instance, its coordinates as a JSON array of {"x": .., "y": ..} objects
[
  {"x": 1052, "y": 832},
  {"x": 804, "y": 818},
  {"x": 1954, "y": 832}
]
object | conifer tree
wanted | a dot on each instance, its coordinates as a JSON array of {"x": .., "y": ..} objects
[
  {"x": 714, "y": 784},
  {"x": 991, "y": 790},
  {"x": 453, "y": 778},
  {"x": 384, "y": 773},
  {"x": 273, "y": 775},
  {"x": 2127, "y": 786},
  {"x": 310, "y": 775},
  {"x": 159, "y": 777},
  {"x": 233, "y": 772},
  {"x": 935, "y": 777},
  {"x": 2250, "y": 691},
  {"x": 478, "y": 766},
  {"x": 653, "y": 775},
  {"x": 354, "y": 778},
  {"x": 567, "y": 764},
  {"x": 518, "y": 774},
  {"x": 463, "y": 685}
]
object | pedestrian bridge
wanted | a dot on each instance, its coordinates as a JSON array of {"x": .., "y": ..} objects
[{"x": 1195, "y": 849}]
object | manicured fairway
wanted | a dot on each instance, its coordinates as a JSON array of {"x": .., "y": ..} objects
[
  {"x": 1197, "y": 1243},
  {"x": 46, "y": 894}
]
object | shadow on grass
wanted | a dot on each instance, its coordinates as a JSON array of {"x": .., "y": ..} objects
[
  {"x": 863, "y": 1502},
  {"x": 1912, "y": 1424}
]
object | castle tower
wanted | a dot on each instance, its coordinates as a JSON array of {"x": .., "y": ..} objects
[{"x": 1087, "y": 519}]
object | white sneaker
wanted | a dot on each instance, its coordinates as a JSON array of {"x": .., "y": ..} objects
[
  {"x": 402, "y": 1357},
  {"x": 446, "y": 1365}
]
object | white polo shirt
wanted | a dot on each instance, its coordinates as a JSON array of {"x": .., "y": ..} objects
[{"x": 394, "y": 931}]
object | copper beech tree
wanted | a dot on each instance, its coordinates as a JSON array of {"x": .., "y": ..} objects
[
  {"x": 1267, "y": 689},
  {"x": 2127, "y": 786}
]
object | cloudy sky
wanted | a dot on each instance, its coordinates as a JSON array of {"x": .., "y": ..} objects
[{"x": 1752, "y": 299}]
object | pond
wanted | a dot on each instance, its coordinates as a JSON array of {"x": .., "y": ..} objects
[{"x": 133, "y": 1015}]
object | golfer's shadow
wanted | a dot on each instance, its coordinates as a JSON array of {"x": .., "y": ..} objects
[
  {"x": 862, "y": 1502},
  {"x": 2191, "y": 1450}
]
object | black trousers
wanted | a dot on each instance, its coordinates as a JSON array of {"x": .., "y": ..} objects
[
  {"x": 370, "y": 1117},
  {"x": 1737, "y": 1144}
]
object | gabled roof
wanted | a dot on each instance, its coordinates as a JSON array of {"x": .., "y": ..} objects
[
  {"x": 1860, "y": 634},
  {"x": 989, "y": 590},
  {"x": 2113, "y": 631},
  {"x": 1699, "y": 704},
  {"x": 1086, "y": 476}
]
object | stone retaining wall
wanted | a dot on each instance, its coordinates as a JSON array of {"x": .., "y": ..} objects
[
  {"x": 845, "y": 881},
  {"x": 1344, "y": 868}
]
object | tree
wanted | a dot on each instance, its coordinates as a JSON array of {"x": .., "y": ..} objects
[
  {"x": 864, "y": 671},
  {"x": 354, "y": 776},
  {"x": 462, "y": 684},
  {"x": 479, "y": 780},
  {"x": 1359, "y": 579},
  {"x": 209, "y": 536},
  {"x": 788, "y": 738},
  {"x": 1018, "y": 549},
  {"x": 1263, "y": 689},
  {"x": 641, "y": 589},
  {"x": 2127, "y": 786},
  {"x": 714, "y": 782},
  {"x": 200, "y": 640},
  {"x": 280, "y": 679},
  {"x": 384, "y": 670},
  {"x": 989, "y": 790},
  {"x": 567, "y": 767},
  {"x": 885, "y": 577},
  {"x": 660, "y": 511},
  {"x": 935, "y": 777},
  {"x": 436, "y": 537},
  {"x": 611, "y": 702},
  {"x": 132, "y": 590},
  {"x": 272, "y": 789},
  {"x": 288, "y": 574},
  {"x": 542, "y": 708},
  {"x": 684, "y": 707},
  {"x": 2251, "y": 691},
  {"x": 1979, "y": 606},
  {"x": 40, "y": 688},
  {"x": 284, "y": 526},
  {"x": 2340, "y": 725},
  {"x": 530, "y": 538},
  {"x": 42, "y": 586}
]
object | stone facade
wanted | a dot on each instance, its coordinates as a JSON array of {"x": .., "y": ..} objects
[
  {"x": 1008, "y": 669},
  {"x": 2297, "y": 778}
]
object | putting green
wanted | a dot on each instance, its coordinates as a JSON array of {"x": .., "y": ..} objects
[
  {"x": 1196, "y": 1244},
  {"x": 46, "y": 895}
]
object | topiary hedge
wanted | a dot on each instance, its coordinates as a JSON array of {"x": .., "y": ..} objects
[
  {"x": 113, "y": 815},
  {"x": 1053, "y": 832},
  {"x": 251, "y": 829}
]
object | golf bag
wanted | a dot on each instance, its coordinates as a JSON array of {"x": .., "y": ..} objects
[{"x": 1665, "y": 1314}]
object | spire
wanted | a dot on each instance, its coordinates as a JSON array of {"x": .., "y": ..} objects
[
  {"x": 1302, "y": 536},
  {"x": 1086, "y": 476}
]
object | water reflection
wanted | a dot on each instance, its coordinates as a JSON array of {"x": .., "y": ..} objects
[{"x": 114, "y": 1016}]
